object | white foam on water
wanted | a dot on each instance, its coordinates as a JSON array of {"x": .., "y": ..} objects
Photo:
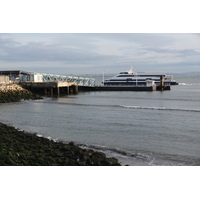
[
  {"x": 39, "y": 135},
  {"x": 161, "y": 108}
]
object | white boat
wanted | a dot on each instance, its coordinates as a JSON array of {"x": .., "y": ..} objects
[{"x": 138, "y": 79}]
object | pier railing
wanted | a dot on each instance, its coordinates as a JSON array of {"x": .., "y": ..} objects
[{"x": 80, "y": 81}]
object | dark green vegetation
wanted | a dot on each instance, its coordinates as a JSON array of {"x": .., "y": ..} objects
[
  {"x": 7, "y": 96},
  {"x": 18, "y": 148}
]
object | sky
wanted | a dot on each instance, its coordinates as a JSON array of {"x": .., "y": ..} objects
[{"x": 84, "y": 53}]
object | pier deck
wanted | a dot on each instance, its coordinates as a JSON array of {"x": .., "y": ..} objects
[{"x": 51, "y": 87}]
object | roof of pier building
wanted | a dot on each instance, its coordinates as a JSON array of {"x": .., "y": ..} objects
[{"x": 13, "y": 72}]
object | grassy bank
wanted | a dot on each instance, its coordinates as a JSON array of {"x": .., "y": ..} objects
[{"x": 18, "y": 148}]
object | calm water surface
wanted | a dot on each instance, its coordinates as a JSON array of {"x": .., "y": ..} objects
[{"x": 139, "y": 128}]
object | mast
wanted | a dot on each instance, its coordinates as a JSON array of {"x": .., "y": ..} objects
[
  {"x": 136, "y": 77},
  {"x": 103, "y": 78},
  {"x": 131, "y": 69}
]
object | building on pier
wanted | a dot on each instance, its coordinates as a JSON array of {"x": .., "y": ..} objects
[{"x": 23, "y": 76}]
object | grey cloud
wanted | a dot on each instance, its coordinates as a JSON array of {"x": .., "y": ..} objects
[
  {"x": 65, "y": 52},
  {"x": 153, "y": 52}
]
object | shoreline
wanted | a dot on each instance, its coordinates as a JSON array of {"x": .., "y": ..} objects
[{"x": 19, "y": 148}]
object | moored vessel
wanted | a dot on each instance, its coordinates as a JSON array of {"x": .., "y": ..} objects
[{"x": 131, "y": 78}]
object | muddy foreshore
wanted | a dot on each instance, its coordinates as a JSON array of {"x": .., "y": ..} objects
[{"x": 19, "y": 148}]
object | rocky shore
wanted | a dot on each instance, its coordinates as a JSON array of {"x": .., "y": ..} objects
[
  {"x": 19, "y": 148},
  {"x": 15, "y": 93}
]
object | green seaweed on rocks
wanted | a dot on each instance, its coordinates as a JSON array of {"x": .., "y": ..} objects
[{"x": 19, "y": 148}]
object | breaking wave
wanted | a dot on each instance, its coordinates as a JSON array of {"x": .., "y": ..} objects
[
  {"x": 117, "y": 152},
  {"x": 161, "y": 108},
  {"x": 144, "y": 158}
]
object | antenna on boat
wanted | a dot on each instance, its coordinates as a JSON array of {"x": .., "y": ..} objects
[
  {"x": 103, "y": 77},
  {"x": 136, "y": 75},
  {"x": 131, "y": 69}
]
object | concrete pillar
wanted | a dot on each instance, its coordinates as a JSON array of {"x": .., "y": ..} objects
[
  {"x": 75, "y": 87},
  {"x": 161, "y": 81},
  {"x": 58, "y": 91},
  {"x": 51, "y": 91},
  {"x": 67, "y": 90}
]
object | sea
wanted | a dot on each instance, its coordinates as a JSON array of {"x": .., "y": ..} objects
[{"x": 159, "y": 128}]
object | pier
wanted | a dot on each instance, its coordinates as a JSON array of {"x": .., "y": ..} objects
[
  {"x": 48, "y": 84},
  {"x": 51, "y": 88}
]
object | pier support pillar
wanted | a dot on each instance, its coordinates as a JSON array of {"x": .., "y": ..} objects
[
  {"x": 51, "y": 91},
  {"x": 58, "y": 91},
  {"x": 67, "y": 90},
  {"x": 75, "y": 89}
]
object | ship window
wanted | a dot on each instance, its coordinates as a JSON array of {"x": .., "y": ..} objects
[{"x": 125, "y": 75}]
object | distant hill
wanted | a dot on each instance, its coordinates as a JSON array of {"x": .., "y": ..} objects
[
  {"x": 112, "y": 74},
  {"x": 186, "y": 73}
]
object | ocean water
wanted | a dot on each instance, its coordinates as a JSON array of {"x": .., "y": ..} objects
[{"x": 138, "y": 128}]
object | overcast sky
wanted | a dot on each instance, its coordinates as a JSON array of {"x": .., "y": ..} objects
[{"x": 83, "y": 53}]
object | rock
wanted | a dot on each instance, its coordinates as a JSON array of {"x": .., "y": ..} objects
[
  {"x": 15, "y": 93},
  {"x": 26, "y": 149}
]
